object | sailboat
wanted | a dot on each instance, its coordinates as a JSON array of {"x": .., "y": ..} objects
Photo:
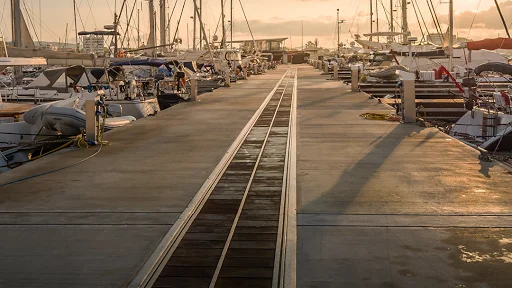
[{"x": 428, "y": 56}]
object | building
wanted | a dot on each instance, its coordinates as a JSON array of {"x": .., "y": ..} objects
[
  {"x": 269, "y": 44},
  {"x": 94, "y": 44}
]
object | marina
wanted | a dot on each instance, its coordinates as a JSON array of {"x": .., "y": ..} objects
[
  {"x": 147, "y": 153},
  {"x": 357, "y": 183}
]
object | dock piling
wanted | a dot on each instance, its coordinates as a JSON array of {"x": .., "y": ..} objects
[
  {"x": 244, "y": 70},
  {"x": 193, "y": 88},
  {"x": 354, "y": 78},
  {"x": 227, "y": 78},
  {"x": 409, "y": 96},
  {"x": 91, "y": 120}
]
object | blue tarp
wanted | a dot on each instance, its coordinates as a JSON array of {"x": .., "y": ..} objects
[{"x": 142, "y": 62}]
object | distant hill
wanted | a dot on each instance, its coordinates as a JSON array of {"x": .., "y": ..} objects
[{"x": 46, "y": 43}]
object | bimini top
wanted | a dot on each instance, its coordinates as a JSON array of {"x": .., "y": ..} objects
[
  {"x": 113, "y": 73},
  {"x": 55, "y": 78},
  {"x": 98, "y": 33},
  {"x": 490, "y": 44}
]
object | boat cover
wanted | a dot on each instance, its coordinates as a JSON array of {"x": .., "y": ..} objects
[
  {"x": 490, "y": 44},
  {"x": 388, "y": 73},
  {"x": 49, "y": 77},
  {"x": 494, "y": 67}
]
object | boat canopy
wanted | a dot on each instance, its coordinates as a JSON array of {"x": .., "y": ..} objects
[
  {"x": 57, "y": 78},
  {"x": 112, "y": 72},
  {"x": 490, "y": 44}
]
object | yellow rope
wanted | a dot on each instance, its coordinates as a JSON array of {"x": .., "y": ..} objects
[
  {"x": 82, "y": 143},
  {"x": 54, "y": 150},
  {"x": 377, "y": 116}
]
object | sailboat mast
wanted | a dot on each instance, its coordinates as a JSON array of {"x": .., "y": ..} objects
[
  {"x": 16, "y": 22},
  {"x": 391, "y": 24},
  {"x": 371, "y": 19},
  {"x": 337, "y": 30},
  {"x": 223, "y": 25},
  {"x": 231, "y": 33},
  {"x": 76, "y": 28},
  {"x": 377, "y": 16},
  {"x": 200, "y": 21},
  {"x": 203, "y": 30},
  {"x": 405, "y": 28},
  {"x": 195, "y": 27},
  {"x": 115, "y": 34},
  {"x": 66, "y": 39},
  {"x": 138, "y": 28},
  {"x": 502, "y": 19},
  {"x": 152, "y": 28},
  {"x": 41, "y": 25},
  {"x": 450, "y": 42},
  {"x": 162, "y": 24}
]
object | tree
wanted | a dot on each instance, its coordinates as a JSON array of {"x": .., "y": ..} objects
[{"x": 310, "y": 45}]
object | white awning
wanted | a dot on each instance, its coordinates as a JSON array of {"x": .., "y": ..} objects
[
  {"x": 189, "y": 56},
  {"x": 14, "y": 61},
  {"x": 383, "y": 34}
]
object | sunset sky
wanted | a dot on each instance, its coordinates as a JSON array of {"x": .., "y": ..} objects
[{"x": 268, "y": 18}]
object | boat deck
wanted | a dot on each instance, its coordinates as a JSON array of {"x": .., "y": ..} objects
[{"x": 380, "y": 204}]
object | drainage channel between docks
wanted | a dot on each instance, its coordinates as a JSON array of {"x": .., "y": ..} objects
[{"x": 237, "y": 233}]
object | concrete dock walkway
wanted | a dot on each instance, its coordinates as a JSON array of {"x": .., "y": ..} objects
[
  {"x": 383, "y": 204},
  {"x": 380, "y": 204},
  {"x": 95, "y": 224}
]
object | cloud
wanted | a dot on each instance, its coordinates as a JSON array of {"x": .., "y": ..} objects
[
  {"x": 487, "y": 19},
  {"x": 324, "y": 26}
]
